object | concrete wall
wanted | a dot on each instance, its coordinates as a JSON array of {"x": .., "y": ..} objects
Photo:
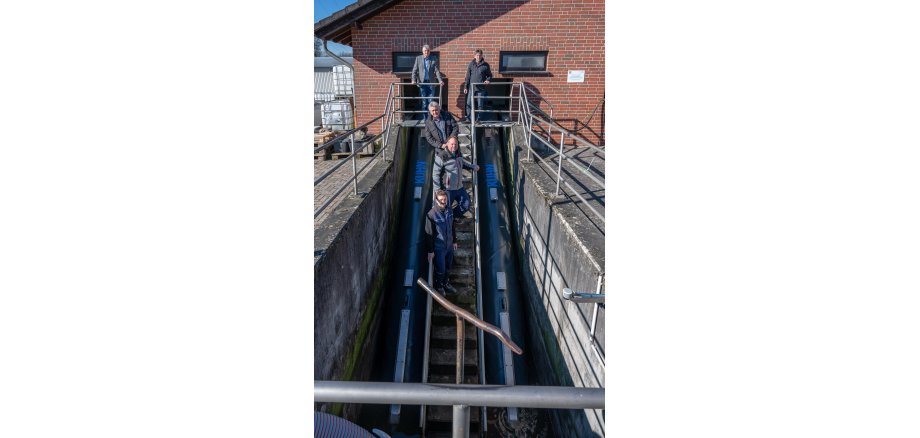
[
  {"x": 559, "y": 250},
  {"x": 351, "y": 249}
]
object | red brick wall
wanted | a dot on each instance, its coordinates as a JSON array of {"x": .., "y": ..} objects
[{"x": 571, "y": 31}]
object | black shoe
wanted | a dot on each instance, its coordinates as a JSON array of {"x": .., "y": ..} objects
[{"x": 450, "y": 289}]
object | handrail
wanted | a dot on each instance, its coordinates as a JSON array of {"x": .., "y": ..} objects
[
  {"x": 525, "y": 87},
  {"x": 345, "y": 134},
  {"x": 477, "y": 261},
  {"x": 527, "y": 119},
  {"x": 424, "y": 110},
  {"x": 574, "y": 135},
  {"x": 386, "y": 119},
  {"x": 425, "y": 358},
  {"x": 503, "y": 337},
  {"x": 353, "y": 179},
  {"x": 539, "y": 397}
]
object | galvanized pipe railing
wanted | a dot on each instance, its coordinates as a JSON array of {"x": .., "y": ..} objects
[
  {"x": 353, "y": 157},
  {"x": 539, "y": 397},
  {"x": 401, "y": 97},
  {"x": 353, "y": 178},
  {"x": 528, "y": 119}
]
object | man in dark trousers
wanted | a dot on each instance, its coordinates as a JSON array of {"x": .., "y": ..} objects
[
  {"x": 439, "y": 238},
  {"x": 426, "y": 70},
  {"x": 440, "y": 126},
  {"x": 446, "y": 176},
  {"x": 477, "y": 71}
]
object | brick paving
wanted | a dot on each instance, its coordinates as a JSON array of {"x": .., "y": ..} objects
[{"x": 327, "y": 187}]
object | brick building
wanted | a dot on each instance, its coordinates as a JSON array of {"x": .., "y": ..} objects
[{"x": 562, "y": 35}]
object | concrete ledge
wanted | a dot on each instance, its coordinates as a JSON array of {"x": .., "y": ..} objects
[
  {"x": 351, "y": 247},
  {"x": 559, "y": 247}
]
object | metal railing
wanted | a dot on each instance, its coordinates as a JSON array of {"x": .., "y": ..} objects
[
  {"x": 387, "y": 120},
  {"x": 530, "y": 116},
  {"x": 353, "y": 158},
  {"x": 402, "y": 97},
  {"x": 461, "y": 414},
  {"x": 597, "y": 298},
  {"x": 532, "y": 119},
  {"x": 477, "y": 261},
  {"x": 539, "y": 397}
]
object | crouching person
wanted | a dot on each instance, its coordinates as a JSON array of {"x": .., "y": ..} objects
[
  {"x": 447, "y": 176},
  {"x": 440, "y": 236}
]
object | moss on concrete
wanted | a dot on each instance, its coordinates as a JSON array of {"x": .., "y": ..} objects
[{"x": 379, "y": 285}]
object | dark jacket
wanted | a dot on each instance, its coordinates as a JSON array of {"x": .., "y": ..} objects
[
  {"x": 476, "y": 73},
  {"x": 447, "y": 166},
  {"x": 434, "y": 71},
  {"x": 439, "y": 228},
  {"x": 433, "y": 135}
]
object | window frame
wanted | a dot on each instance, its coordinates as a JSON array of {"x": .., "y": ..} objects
[
  {"x": 408, "y": 72},
  {"x": 501, "y": 57}
]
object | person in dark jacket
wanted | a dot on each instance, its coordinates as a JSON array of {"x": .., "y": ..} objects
[
  {"x": 440, "y": 237},
  {"x": 477, "y": 71},
  {"x": 446, "y": 175},
  {"x": 426, "y": 70},
  {"x": 440, "y": 126}
]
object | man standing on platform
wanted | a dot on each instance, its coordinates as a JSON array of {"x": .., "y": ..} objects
[
  {"x": 426, "y": 70},
  {"x": 477, "y": 71},
  {"x": 440, "y": 237}
]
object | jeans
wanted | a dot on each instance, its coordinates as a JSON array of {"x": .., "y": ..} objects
[
  {"x": 425, "y": 91},
  {"x": 463, "y": 201},
  {"x": 443, "y": 260},
  {"x": 480, "y": 91}
]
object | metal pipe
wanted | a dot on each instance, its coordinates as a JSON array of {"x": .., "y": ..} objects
[
  {"x": 342, "y": 162},
  {"x": 354, "y": 84},
  {"x": 343, "y": 135},
  {"x": 544, "y": 397},
  {"x": 354, "y": 162},
  {"x": 461, "y": 427},
  {"x": 581, "y": 297},
  {"x": 561, "y": 157},
  {"x": 428, "y": 306},
  {"x": 339, "y": 191},
  {"x": 460, "y": 341},
  {"x": 460, "y": 312},
  {"x": 477, "y": 257}
]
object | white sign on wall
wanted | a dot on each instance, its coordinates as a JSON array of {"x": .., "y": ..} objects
[{"x": 576, "y": 75}]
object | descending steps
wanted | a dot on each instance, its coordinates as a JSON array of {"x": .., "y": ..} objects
[{"x": 442, "y": 353}]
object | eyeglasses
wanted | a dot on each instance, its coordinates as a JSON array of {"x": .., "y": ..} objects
[{"x": 442, "y": 201}]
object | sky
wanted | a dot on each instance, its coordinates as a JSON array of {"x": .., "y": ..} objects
[{"x": 325, "y": 8}]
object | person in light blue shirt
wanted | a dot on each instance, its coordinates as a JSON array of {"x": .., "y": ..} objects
[{"x": 426, "y": 70}]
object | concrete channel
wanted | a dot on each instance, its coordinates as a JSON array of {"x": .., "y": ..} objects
[{"x": 558, "y": 246}]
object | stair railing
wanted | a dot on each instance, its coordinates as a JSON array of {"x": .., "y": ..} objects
[
  {"x": 386, "y": 124},
  {"x": 461, "y": 414},
  {"x": 532, "y": 117}
]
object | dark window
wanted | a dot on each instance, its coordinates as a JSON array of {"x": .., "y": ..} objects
[
  {"x": 522, "y": 62},
  {"x": 403, "y": 61}
]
